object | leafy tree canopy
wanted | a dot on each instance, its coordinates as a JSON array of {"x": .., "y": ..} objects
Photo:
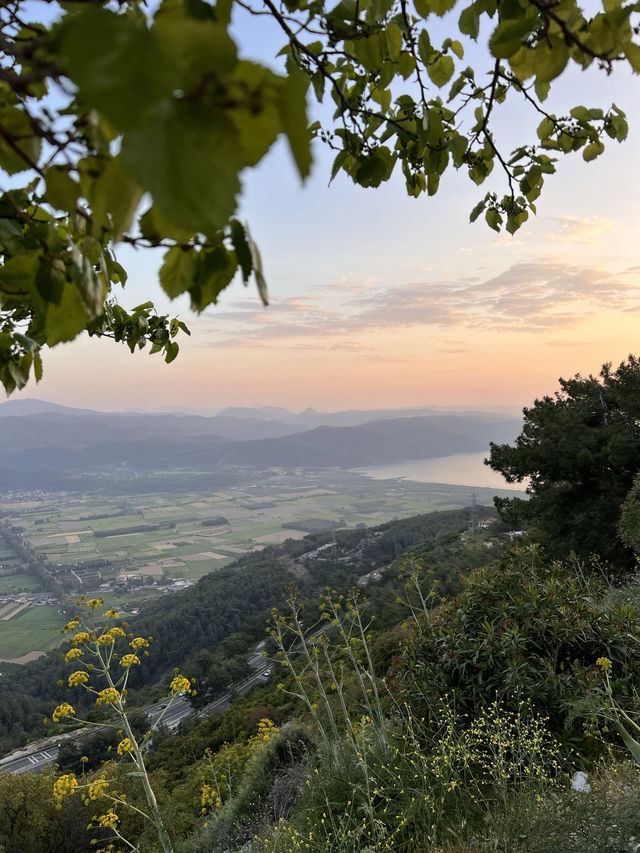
[
  {"x": 579, "y": 452},
  {"x": 122, "y": 122}
]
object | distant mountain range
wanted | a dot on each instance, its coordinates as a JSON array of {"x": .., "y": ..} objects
[{"x": 39, "y": 436}]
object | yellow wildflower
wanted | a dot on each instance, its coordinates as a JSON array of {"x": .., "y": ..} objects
[
  {"x": 109, "y": 820},
  {"x": 116, "y": 632},
  {"x": 93, "y": 603},
  {"x": 77, "y": 678},
  {"x": 605, "y": 663},
  {"x": 125, "y": 746},
  {"x": 109, "y": 696},
  {"x": 111, "y": 613},
  {"x": 64, "y": 786},
  {"x": 129, "y": 660},
  {"x": 105, "y": 639},
  {"x": 139, "y": 643},
  {"x": 62, "y": 711},
  {"x": 180, "y": 684},
  {"x": 80, "y": 637},
  {"x": 72, "y": 654},
  {"x": 71, "y": 626},
  {"x": 98, "y": 788}
]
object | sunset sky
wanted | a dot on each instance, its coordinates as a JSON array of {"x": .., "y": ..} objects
[{"x": 381, "y": 300}]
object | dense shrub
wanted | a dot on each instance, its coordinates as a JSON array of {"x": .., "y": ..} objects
[{"x": 523, "y": 628}]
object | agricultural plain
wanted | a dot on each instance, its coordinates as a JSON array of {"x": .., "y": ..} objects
[{"x": 131, "y": 548}]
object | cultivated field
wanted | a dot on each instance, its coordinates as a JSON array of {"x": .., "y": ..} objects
[{"x": 132, "y": 548}]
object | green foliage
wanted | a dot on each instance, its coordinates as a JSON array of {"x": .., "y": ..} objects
[
  {"x": 579, "y": 452},
  {"x": 30, "y": 821},
  {"x": 526, "y": 628},
  {"x": 629, "y": 526},
  {"x": 122, "y": 124}
]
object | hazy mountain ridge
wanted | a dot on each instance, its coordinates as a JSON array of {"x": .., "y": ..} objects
[{"x": 62, "y": 440}]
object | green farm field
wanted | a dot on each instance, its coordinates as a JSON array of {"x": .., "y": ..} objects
[
  {"x": 97, "y": 542},
  {"x": 33, "y": 629}
]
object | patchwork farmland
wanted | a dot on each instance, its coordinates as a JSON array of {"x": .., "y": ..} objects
[{"x": 131, "y": 548}]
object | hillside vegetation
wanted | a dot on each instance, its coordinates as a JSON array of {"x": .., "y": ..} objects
[{"x": 431, "y": 687}]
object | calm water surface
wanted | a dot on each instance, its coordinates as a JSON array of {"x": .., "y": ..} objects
[{"x": 460, "y": 469}]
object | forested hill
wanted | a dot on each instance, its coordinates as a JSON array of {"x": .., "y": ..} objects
[
  {"x": 234, "y": 599},
  {"x": 375, "y": 443}
]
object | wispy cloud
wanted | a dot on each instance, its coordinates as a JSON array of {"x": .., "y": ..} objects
[
  {"x": 590, "y": 229},
  {"x": 546, "y": 294}
]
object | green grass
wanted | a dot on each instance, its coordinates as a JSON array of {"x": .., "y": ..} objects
[
  {"x": 37, "y": 628},
  {"x": 19, "y": 583}
]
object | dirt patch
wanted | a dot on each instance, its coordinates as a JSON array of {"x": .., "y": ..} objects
[
  {"x": 24, "y": 658},
  {"x": 162, "y": 546},
  {"x": 72, "y": 539},
  {"x": 150, "y": 569},
  {"x": 280, "y": 536},
  {"x": 14, "y": 612},
  {"x": 6, "y": 607},
  {"x": 206, "y": 555},
  {"x": 70, "y": 533}
]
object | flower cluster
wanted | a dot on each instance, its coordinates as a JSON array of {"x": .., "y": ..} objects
[
  {"x": 96, "y": 790},
  {"x": 108, "y": 696},
  {"x": 125, "y": 746},
  {"x": 209, "y": 797},
  {"x": 78, "y": 677},
  {"x": 62, "y": 711},
  {"x": 63, "y": 787},
  {"x": 129, "y": 660},
  {"x": 180, "y": 684}
]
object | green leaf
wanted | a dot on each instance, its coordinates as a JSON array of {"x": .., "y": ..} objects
[
  {"x": 477, "y": 210},
  {"x": 508, "y": 36},
  {"x": 170, "y": 354},
  {"x": 62, "y": 190},
  {"x": 425, "y": 51},
  {"x": 493, "y": 219},
  {"x": 115, "y": 63},
  {"x": 155, "y": 227},
  {"x": 292, "y": 107},
  {"x": 545, "y": 128},
  {"x": 216, "y": 269},
  {"x": 189, "y": 161},
  {"x": 256, "y": 262},
  {"x": 551, "y": 60},
  {"x": 441, "y": 71},
  {"x": 592, "y": 151},
  {"x": 632, "y": 52},
  {"x": 17, "y": 277},
  {"x": 65, "y": 321},
  {"x": 469, "y": 22},
  {"x": 394, "y": 40},
  {"x": 196, "y": 51},
  {"x": 91, "y": 289},
  {"x": 178, "y": 271},
  {"x": 425, "y": 7},
  {"x": 241, "y": 248},
  {"x": 115, "y": 193},
  {"x": 406, "y": 65},
  {"x": 580, "y": 114},
  {"x": 37, "y": 366}
]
